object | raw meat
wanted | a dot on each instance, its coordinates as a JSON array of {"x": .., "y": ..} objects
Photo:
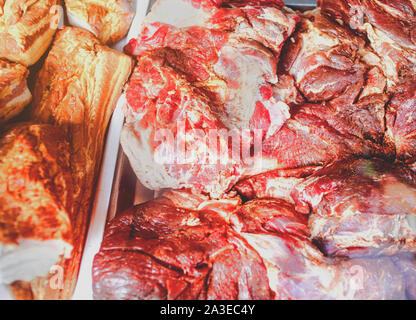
[
  {"x": 360, "y": 208},
  {"x": 216, "y": 74},
  {"x": 228, "y": 52},
  {"x": 322, "y": 56},
  {"x": 407, "y": 265},
  {"x": 298, "y": 270},
  {"x": 171, "y": 134},
  {"x": 321, "y": 134},
  {"x": 401, "y": 124},
  {"x": 159, "y": 251},
  {"x": 277, "y": 184},
  {"x": 390, "y": 27}
]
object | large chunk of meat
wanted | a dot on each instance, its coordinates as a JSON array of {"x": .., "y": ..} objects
[
  {"x": 323, "y": 58},
  {"x": 360, "y": 207},
  {"x": 298, "y": 270},
  {"x": 215, "y": 69},
  {"x": 320, "y": 134},
  {"x": 159, "y": 251},
  {"x": 171, "y": 135},
  {"x": 226, "y": 53},
  {"x": 237, "y": 75},
  {"x": 389, "y": 26}
]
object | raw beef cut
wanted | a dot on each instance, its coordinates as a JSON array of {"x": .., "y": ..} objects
[
  {"x": 159, "y": 251},
  {"x": 360, "y": 208},
  {"x": 407, "y": 265},
  {"x": 277, "y": 184},
  {"x": 228, "y": 52},
  {"x": 237, "y": 75},
  {"x": 168, "y": 123},
  {"x": 390, "y": 27},
  {"x": 318, "y": 134},
  {"x": 322, "y": 56},
  {"x": 215, "y": 74},
  {"x": 401, "y": 121},
  {"x": 298, "y": 270}
]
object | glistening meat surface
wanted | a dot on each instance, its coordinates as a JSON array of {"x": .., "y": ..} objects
[
  {"x": 167, "y": 133},
  {"x": 389, "y": 27},
  {"x": 298, "y": 270},
  {"x": 159, "y": 251},
  {"x": 360, "y": 208}
]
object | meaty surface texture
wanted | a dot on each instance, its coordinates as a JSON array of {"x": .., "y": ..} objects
[
  {"x": 167, "y": 133},
  {"x": 236, "y": 61},
  {"x": 224, "y": 55},
  {"x": 77, "y": 89},
  {"x": 389, "y": 27},
  {"x": 109, "y": 20},
  {"x": 277, "y": 184},
  {"x": 360, "y": 207},
  {"x": 319, "y": 134},
  {"x": 401, "y": 124},
  {"x": 159, "y": 251},
  {"x": 36, "y": 200},
  {"x": 322, "y": 56},
  {"x": 298, "y": 270}
]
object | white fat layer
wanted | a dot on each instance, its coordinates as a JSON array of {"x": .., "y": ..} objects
[
  {"x": 30, "y": 259},
  {"x": 140, "y": 153},
  {"x": 245, "y": 74},
  {"x": 276, "y": 253},
  {"x": 16, "y": 105},
  {"x": 281, "y": 188},
  {"x": 189, "y": 15}
]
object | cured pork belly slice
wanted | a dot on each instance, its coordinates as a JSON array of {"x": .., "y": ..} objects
[
  {"x": 35, "y": 202},
  {"x": 109, "y": 20},
  {"x": 14, "y": 93},
  {"x": 27, "y": 28}
]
